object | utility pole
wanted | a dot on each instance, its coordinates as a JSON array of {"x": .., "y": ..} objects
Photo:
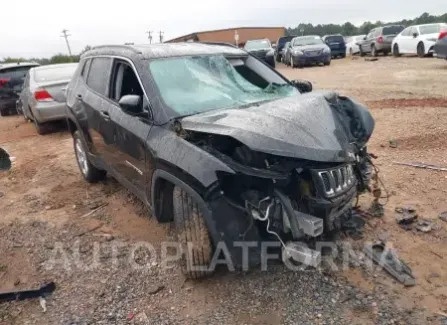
[
  {"x": 161, "y": 36},
  {"x": 149, "y": 36},
  {"x": 65, "y": 35}
]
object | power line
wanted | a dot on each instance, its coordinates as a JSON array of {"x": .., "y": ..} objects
[
  {"x": 65, "y": 35},
  {"x": 149, "y": 36}
]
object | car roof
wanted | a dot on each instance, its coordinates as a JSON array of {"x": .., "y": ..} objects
[
  {"x": 257, "y": 39},
  {"x": 308, "y": 36},
  {"x": 428, "y": 24},
  {"x": 165, "y": 50},
  {"x": 19, "y": 64},
  {"x": 54, "y": 66}
]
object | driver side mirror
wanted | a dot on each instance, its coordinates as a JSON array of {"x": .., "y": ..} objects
[
  {"x": 364, "y": 38},
  {"x": 304, "y": 86},
  {"x": 415, "y": 35},
  {"x": 5, "y": 161},
  {"x": 131, "y": 104}
]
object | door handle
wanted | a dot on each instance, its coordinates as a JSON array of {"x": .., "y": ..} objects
[{"x": 105, "y": 115}]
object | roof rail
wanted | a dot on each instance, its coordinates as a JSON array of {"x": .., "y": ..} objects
[
  {"x": 127, "y": 47},
  {"x": 219, "y": 43}
]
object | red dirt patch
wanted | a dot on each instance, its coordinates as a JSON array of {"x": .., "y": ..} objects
[{"x": 404, "y": 102}]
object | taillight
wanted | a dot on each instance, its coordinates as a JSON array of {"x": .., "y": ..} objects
[
  {"x": 3, "y": 81},
  {"x": 41, "y": 95},
  {"x": 443, "y": 33},
  {"x": 380, "y": 40}
]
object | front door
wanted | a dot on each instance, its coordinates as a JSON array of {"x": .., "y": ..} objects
[{"x": 131, "y": 131}]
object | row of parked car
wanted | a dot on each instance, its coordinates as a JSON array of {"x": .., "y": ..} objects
[{"x": 297, "y": 51}]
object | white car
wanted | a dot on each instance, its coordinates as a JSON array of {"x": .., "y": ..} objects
[
  {"x": 418, "y": 39},
  {"x": 351, "y": 44}
]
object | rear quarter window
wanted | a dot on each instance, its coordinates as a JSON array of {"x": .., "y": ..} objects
[
  {"x": 54, "y": 74},
  {"x": 392, "y": 30},
  {"x": 338, "y": 39}
]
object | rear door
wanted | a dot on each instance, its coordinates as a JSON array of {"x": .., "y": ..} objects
[
  {"x": 413, "y": 41},
  {"x": 131, "y": 131},
  {"x": 95, "y": 104},
  {"x": 403, "y": 40}
]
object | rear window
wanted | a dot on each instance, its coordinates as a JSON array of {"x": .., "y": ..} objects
[
  {"x": 431, "y": 29},
  {"x": 54, "y": 74},
  {"x": 283, "y": 40},
  {"x": 392, "y": 30},
  {"x": 16, "y": 72},
  {"x": 335, "y": 38}
]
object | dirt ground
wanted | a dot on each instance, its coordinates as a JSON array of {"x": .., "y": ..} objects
[{"x": 44, "y": 202}]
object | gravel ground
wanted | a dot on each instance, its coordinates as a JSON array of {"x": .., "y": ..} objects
[{"x": 44, "y": 201}]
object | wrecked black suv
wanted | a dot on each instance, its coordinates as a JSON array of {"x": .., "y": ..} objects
[{"x": 212, "y": 139}]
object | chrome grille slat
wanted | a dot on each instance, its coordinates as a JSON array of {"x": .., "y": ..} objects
[{"x": 336, "y": 180}]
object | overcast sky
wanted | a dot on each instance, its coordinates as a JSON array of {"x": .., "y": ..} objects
[{"x": 33, "y": 28}]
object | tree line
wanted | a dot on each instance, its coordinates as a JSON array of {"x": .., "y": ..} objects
[
  {"x": 348, "y": 29},
  {"x": 55, "y": 59}
]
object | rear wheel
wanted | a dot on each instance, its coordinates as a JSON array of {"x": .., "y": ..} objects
[
  {"x": 396, "y": 50},
  {"x": 373, "y": 51},
  {"x": 291, "y": 63},
  {"x": 4, "y": 112},
  {"x": 421, "y": 50},
  {"x": 192, "y": 234},
  {"x": 40, "y": 127},
  {"x": 350, "y": 52},
  {"x": 90, "y": 172}
]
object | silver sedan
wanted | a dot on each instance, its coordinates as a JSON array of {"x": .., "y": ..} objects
[{"x": 43, "y": 96}]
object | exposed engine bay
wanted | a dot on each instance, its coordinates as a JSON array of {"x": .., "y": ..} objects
[{"x": 286, "y": 197}]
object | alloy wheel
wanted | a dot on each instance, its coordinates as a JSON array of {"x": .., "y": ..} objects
[{"x": 81, "y": 156}]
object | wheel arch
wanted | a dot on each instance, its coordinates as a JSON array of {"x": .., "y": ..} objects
[{"x": 163, "y": 183}]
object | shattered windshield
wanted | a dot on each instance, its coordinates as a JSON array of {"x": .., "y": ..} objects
[
  {"x": 257, "y": 45},
  {"x": 190, "y": 85}
]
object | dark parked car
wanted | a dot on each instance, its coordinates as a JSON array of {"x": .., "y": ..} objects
[
  {"x": 440, "y": 48},
  {"x": 12, "y": 77},
  {"x": 337, "y": 45},
  {"x": 285, "y": 53},
  {"x": 308, "y": 50},
  {"x": 221, "y": 145},
  {"x": 379, "y": 40},
  {"x": 280, "y": 45},
  {"x": 262, "y": 49}
]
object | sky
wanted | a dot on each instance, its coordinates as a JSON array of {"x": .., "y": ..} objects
[{"x": 33, "y": 28}]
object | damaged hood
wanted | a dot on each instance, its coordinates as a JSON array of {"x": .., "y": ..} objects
[{"x": 317, "y": 126}]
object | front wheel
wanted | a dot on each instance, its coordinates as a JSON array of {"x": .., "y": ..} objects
[
  {"x": 373, "y": 51},
  {"x": 90, "y": 172},
  {"x": 4, "y": 112},
  {"x": 327, "y": 63},
  {"x": 291, "y": 63},
  {"x": 421, "y": 50},
  {"x": 192, "y": 234},
  {"x": 361, "y": 51}
]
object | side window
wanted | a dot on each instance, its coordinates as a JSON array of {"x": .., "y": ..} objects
[
  {"x": 124, "y": 81},
  {"x": 371, "y": 34},
  {"x": 378, "y": 32},
  {"x": 406, "y": 32},
  {"x": 98, "y": 75},
  {"x": 413, "y": 31}
]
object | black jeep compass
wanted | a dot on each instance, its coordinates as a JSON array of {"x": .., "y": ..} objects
[{"x": 212, "y": 139}]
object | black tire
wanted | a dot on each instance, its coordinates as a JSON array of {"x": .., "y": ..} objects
[
  {"x": 40, "y": 127},
  {"x": 373, "y": 51},
  {"x": 90, "y": 172},
  {"x": 327, "y": 63},
  {"x": 361, "y": 51},
  {"x": 278, "y": 58},
  {"x": 386, "y": 53},
  {"x": 396, "y": 52},
  {"x": 343, "y": 56},
  {"x": 351, "y": 53},
  {"x": 191, "y": 229},
  {"x": 291, "y": 63},
  {"x": 421, "y": 50},
  {"x": 4, "y": 112}
]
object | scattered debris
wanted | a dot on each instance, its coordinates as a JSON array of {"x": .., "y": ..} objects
[
  {"x": 353, "y": 224},
  {"x": 44, "y": 290},
  {"x": 155, "y": 289},
  {"x": 89, "y": 230},
  {"x": 407, "y": 216},
  {"x": 394, "y": 143},
  {"x": 443, "y": 216},
  {"x": 16, "y": 282},
  {"x": 424, "y": 226},
  {"x": 434, "y": 253},
  {"x": 376, "y": 209},
  {"x": 1, "y": 194},
  {"x": 388, "y": 260},
  {"x": 88, "y": 214},
  {"x": 421, "y": 165},
  {"x": 43, "y": 304},
  {"x": 371, "y": 59},
  {"x": 3, "y": 268}
]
